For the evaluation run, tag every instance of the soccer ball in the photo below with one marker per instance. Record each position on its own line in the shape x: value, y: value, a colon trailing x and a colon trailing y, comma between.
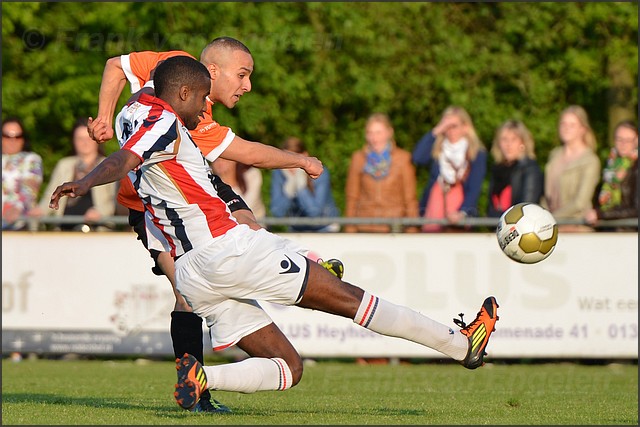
x: 527, y: 233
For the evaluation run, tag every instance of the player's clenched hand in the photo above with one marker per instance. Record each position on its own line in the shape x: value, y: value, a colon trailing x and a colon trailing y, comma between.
x: 99, y: 130
x: 70, y: 189
x: 314, y: 167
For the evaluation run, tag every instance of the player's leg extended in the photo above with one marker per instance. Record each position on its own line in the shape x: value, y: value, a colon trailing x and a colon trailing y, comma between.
x: 327, y: 293
x: 274, y: 365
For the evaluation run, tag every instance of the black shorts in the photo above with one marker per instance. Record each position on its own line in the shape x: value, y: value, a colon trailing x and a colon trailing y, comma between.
x: 136, y: 221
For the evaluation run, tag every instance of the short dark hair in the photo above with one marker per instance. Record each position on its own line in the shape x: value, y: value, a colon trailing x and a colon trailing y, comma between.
x: 177, y: 71
x: 629, y: 124
x: 224, y: 42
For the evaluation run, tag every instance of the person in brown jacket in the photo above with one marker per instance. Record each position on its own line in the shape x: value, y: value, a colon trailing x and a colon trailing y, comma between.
x: 382, y: 180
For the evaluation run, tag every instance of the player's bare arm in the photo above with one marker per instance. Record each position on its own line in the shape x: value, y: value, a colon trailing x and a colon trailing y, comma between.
x: 112, y: 169
x: 113, y: 82
x: 267, y: 157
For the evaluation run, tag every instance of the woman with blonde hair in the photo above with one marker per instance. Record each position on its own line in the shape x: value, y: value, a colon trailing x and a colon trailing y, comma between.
x: 515, y: 176
x: 381, y: 182
x: 458, y: 164
x: 573, y: 169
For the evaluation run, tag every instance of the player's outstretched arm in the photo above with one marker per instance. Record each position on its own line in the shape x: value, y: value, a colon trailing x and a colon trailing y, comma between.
x: 113, y: 82
x: 267, y: 157
x: 111, y: 169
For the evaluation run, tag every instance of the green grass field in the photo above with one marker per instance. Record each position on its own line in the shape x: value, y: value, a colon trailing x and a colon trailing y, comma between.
x: 99, y: 392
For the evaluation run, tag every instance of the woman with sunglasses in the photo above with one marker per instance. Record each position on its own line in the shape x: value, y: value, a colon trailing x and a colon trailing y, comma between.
x: 21, y: 175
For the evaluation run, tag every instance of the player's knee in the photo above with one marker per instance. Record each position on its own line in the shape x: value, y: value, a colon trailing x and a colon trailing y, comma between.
x: 296, y: 366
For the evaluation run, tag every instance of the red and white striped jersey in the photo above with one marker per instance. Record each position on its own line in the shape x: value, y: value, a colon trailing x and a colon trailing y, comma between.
x: 211, y: 137
x: 174, y: 179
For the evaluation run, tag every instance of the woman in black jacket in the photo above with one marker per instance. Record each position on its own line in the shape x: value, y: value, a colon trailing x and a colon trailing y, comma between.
x: 515, y: 176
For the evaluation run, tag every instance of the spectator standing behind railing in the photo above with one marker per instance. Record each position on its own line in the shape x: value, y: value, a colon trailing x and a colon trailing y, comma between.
x: 572, y: 171
x: 295, y: 194
x: 515, y: 176
x: 617, y: 193
x: 100, y: 202
x: 458, y: 164
x: 245, y: 180
x: 381, y: 182
x: 21, y: 175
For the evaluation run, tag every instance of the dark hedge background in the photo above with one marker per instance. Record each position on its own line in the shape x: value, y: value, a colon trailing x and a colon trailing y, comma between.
x: 322, y: 68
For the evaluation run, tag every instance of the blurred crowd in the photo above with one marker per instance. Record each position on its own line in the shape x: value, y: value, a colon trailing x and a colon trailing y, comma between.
x: 572, y: 182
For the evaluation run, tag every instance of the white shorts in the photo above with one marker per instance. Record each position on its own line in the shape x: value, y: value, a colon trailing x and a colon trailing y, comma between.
x: 223, y: 281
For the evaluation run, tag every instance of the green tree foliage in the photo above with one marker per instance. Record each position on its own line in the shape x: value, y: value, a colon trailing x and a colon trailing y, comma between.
x: 322, y: 68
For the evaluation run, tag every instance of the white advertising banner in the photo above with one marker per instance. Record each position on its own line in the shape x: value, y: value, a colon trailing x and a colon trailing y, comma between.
x: 95, y: 293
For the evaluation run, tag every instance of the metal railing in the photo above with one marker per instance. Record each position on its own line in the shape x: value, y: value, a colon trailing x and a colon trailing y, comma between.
x: 120, y: 222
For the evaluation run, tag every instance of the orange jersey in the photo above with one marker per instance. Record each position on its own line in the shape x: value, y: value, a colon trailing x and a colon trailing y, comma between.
x: 138, y: 66
x: 211, y: 137
x: 128, y: 197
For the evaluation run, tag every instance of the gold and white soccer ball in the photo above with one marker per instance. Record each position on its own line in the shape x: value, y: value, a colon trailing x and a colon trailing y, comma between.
x: 527, y: 233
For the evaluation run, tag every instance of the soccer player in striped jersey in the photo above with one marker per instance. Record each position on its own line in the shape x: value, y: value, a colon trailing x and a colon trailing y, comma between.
x: 224, y: 268
x: 230, y: 65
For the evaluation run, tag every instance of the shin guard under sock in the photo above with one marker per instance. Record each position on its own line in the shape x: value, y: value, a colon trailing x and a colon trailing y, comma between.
x: 394, y: 320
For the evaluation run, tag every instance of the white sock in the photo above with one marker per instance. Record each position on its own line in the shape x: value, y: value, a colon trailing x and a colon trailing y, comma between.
x: 393, y: 320
x: 250, y: 375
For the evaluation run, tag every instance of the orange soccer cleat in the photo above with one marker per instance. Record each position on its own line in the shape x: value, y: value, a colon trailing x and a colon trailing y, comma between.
x: 192, y: 381
x: 478, y: 333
